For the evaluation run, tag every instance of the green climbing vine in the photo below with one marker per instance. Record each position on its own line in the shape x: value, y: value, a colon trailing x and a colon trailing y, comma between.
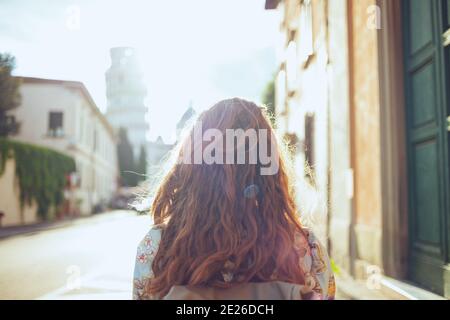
x: 41, y: 173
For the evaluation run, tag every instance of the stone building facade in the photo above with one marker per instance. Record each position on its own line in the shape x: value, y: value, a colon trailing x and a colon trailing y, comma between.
x: 363, y: 85
x: 62, y: 115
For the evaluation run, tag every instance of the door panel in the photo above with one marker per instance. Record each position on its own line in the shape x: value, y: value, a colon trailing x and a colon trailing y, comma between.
x: 425, y: 98
x: 447, y: 22
x: 426, y: 195
x: 423, y: 95
x: 420, y: 24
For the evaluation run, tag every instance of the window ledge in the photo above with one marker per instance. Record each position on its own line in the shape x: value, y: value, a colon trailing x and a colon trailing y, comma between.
x: 61, y: 136
x: 349, y: 288
x: 403, y: 290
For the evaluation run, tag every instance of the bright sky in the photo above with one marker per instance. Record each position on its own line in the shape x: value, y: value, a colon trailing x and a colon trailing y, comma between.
x: 199, y: 50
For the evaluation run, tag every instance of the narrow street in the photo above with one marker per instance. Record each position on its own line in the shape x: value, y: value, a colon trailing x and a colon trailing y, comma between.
x: 90, y: 258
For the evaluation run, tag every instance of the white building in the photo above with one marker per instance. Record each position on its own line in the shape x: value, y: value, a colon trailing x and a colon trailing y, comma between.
x: 126, y: 93
x: 158, y: 153
x: 62, y: 115
x: 185, y: 120
x: 158, y: 150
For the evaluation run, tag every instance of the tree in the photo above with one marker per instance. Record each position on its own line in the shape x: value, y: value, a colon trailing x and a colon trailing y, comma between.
x: 9, y: 95
x: 268, y: 98
x: 127, y: 166
x: 141, y: 167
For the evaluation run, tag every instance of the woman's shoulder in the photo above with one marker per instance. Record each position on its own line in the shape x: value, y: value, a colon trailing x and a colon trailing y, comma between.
x: 149, y: 243
x: 154, y: 233
x: 146, y: 251
x: 315, y: 264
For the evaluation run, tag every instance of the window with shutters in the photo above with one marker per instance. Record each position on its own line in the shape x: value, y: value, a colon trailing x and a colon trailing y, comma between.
x: 55, y: 124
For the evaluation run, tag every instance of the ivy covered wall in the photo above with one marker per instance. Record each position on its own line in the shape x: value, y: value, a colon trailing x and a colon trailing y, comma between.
x: 41, y: 173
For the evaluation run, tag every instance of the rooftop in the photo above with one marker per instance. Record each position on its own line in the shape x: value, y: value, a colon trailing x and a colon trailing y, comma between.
x: 74, y: 85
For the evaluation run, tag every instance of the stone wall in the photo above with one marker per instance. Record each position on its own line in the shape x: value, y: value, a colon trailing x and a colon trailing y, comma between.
x: 14, y: 214
x: 365, y: 135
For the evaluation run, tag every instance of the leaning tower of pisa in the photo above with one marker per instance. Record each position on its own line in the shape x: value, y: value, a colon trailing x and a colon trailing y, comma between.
x: 126, y: 93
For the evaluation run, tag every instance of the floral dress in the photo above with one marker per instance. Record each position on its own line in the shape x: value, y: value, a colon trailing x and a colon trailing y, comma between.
x: 314, y: 261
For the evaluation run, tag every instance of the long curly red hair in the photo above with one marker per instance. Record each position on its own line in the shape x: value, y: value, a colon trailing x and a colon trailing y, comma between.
x: 214, y: 233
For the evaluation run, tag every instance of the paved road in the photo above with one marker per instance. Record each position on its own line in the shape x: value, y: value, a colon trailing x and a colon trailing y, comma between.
x: 91, y: 258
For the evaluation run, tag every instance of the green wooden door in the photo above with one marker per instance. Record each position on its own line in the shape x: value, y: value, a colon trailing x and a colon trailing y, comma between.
x: 426, y: 87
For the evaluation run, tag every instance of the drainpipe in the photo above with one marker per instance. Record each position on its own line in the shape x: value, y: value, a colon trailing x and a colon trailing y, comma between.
x: 327, y: 66
x: 350, y: 177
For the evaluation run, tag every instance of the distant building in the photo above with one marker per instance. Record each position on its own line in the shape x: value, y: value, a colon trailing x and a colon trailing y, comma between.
x: 63, y: 116
x: 126, y: 93
x: 185, y: 119
x: 158, y: 150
